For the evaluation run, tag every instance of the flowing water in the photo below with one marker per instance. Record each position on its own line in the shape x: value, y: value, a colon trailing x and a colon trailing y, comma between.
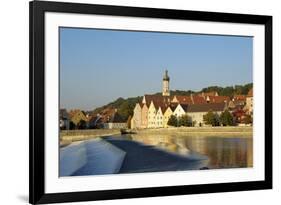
x: 139, y: 153
x: 222, y: 152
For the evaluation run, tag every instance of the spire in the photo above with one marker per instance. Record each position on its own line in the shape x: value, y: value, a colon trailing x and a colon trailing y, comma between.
x: 165, y: 84
x: 166, y: 77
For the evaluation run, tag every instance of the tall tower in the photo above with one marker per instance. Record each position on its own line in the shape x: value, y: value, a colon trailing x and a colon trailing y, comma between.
x: 165, y: 85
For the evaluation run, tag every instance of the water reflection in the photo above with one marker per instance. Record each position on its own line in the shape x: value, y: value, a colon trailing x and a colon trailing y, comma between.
x: 223, y: 152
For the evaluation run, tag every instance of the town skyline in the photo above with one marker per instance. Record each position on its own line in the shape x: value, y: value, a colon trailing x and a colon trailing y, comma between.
x: 157, y: 92
x: 96, y: 74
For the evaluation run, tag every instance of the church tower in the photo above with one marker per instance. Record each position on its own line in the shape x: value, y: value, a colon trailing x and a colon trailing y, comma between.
x: 165, y: 85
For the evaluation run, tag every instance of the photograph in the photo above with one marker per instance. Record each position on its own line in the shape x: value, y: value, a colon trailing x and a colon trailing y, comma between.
x: 148, y: 101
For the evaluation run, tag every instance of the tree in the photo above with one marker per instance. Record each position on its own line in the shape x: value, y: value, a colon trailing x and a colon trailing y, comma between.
x: 124, y: 110
x: 82, y: 124
x: 248, y: 119
x: 211, y: 118
x: 185, y: 121
x: 194, y: 122
x: 173, y: 121
x: 71, y: 125
x: 226, y: 118
x: 238, y: 115
x: 129, y: 122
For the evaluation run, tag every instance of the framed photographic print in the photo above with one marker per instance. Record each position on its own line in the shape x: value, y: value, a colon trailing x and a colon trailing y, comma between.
x: 141, y: 102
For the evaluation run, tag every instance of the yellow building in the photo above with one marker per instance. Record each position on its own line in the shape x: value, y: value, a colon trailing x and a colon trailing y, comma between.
x: 180, y: 110
x: 136, y: 121
x: 144, y: 116
x: 159, y: 118
x: 151, y: 117
x: 167, y: 115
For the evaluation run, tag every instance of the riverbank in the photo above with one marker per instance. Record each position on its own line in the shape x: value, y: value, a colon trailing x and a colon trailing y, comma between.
x: 69, y: 136
x: 202, y: 131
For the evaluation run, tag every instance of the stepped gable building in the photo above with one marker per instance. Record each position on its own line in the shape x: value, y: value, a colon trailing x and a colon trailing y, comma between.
x: 137, y: 122
x: 144, y: 113
x: 168, y: 112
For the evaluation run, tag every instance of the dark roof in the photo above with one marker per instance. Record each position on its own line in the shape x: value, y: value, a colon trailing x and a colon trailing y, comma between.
x: 206, y: 107
x: 158, y: 99
x: 184, y: 107
x: 163, y: 105
x: 173, y: 106
x: 143, y: 104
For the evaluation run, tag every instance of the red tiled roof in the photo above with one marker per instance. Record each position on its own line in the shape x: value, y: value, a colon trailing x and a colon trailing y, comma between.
x: 183, y: 99
x: 198, y: 100
x: 206, y: 107
x: 218, y: 99
x: 239, y: 97
x: 107, y: 114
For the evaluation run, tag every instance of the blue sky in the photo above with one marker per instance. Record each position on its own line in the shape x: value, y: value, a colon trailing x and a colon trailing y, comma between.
x: 98, y: 66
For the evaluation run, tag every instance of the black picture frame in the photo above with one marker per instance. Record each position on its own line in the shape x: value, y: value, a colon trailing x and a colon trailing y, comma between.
x: 37, y: 194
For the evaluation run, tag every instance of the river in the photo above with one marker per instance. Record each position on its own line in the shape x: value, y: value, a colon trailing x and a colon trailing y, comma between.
x: 138, y: 153
x: 222, y: 152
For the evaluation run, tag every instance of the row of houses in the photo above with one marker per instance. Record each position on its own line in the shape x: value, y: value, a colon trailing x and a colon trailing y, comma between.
x: 78, y: 119
x: 155, y: 110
